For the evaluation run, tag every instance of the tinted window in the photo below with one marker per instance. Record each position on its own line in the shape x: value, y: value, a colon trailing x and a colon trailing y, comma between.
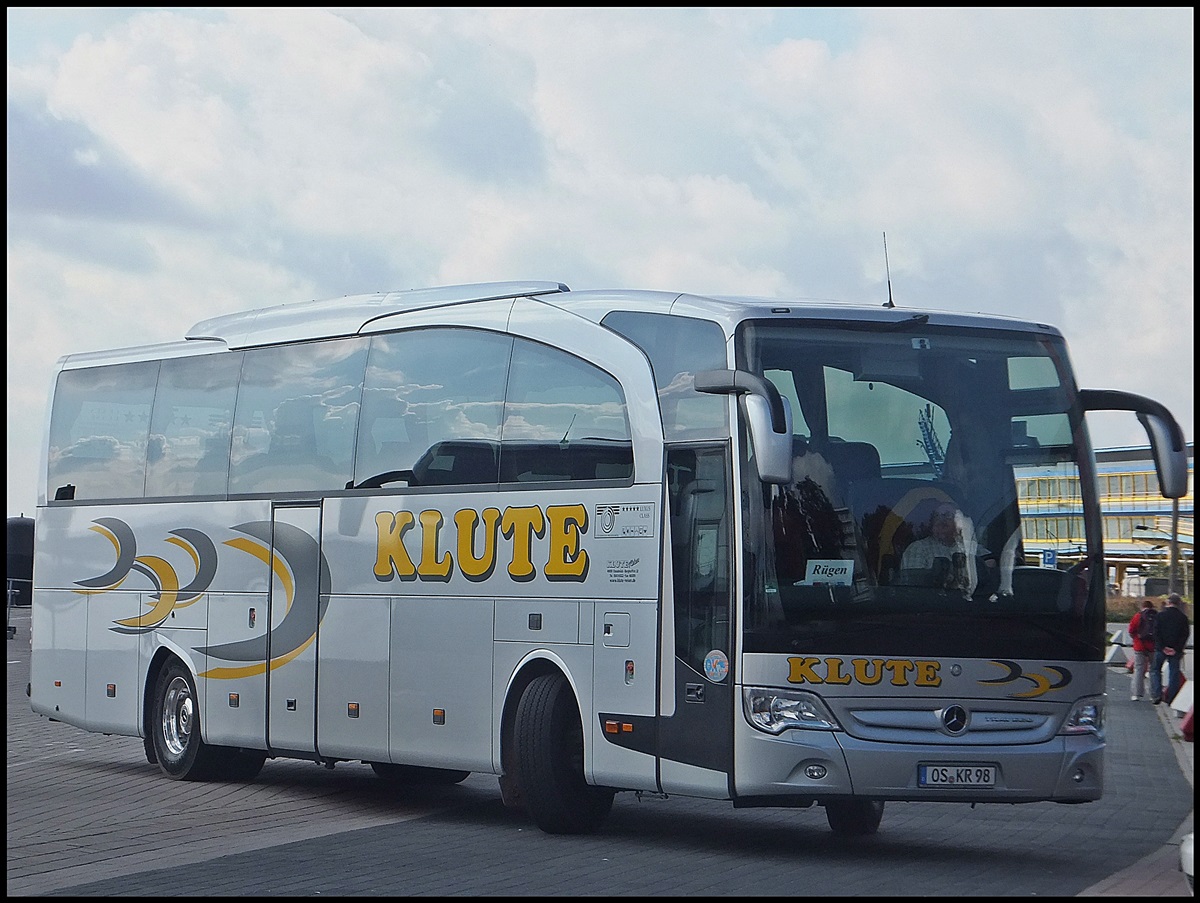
x: 99, y: 429
x: 297, y: 413
x: 432, y: 405
x: 564, y: 419
x: 192, y: 425
x: 678, y: 347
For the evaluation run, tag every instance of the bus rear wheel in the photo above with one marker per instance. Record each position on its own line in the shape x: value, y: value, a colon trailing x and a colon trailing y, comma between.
x: 175, y: 727
x: 549, y: 739
x: 854, y: 818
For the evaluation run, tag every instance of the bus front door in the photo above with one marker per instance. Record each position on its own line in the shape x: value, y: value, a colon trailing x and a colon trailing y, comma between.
x: 296, y: 600
x: 696, y: 730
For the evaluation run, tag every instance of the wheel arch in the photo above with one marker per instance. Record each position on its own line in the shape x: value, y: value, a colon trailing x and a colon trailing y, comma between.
x: 160, y: 657
x: 163, y: 654
x: 532, y: 666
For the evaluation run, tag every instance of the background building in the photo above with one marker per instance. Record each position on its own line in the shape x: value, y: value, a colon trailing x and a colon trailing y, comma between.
x: 1137, y: 520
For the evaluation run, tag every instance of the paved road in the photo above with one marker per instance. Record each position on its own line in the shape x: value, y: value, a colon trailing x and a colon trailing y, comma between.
x: 87, y: 816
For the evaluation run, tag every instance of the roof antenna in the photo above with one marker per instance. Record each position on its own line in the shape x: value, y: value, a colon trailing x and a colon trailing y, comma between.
x: 888, y: 269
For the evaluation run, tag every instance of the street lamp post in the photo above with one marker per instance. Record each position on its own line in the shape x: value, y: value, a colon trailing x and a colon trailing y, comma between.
x: 1173, y: 574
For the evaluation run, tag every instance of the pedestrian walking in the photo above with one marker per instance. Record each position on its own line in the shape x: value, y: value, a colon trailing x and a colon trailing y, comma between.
x: 1171, y: 632
x: 1141, y: 632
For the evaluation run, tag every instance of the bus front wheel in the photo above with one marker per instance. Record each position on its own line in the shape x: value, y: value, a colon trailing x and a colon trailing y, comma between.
x: 175, y: 727
x: 549, y: 739
x: 854, y: 818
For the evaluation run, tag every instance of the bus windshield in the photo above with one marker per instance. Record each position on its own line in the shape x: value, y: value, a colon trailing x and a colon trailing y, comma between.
x: 910, y: 526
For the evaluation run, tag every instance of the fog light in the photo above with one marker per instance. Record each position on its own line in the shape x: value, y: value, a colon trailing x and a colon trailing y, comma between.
x: 1078, y: 776
x: 815, y: 772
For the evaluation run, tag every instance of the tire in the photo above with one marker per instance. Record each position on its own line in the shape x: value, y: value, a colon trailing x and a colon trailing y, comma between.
x: 175, y: 727
x: 854, y: 818
x: 418, y: 775
x: 549, y: 741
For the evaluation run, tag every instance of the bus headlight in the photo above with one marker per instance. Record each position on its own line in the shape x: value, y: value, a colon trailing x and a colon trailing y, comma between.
x: 775, y: 711
x: 1085, y: 717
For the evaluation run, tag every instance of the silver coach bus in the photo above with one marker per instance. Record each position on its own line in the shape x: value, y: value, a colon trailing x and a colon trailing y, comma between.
x: 759, y: 550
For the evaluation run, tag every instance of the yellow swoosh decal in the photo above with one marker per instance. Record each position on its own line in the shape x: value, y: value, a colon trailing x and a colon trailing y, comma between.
x: 166, y: 598
x: 258, y: 667
x: 187, y: 547
x: 1041, y: 685
x: 278, y: 566
x: 111, y: 537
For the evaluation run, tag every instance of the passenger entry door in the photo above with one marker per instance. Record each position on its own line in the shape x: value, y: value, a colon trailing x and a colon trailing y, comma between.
x: 299, y: 593
x: 697, y: 737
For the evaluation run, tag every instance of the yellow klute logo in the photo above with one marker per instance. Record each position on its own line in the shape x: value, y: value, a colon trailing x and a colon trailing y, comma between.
x: 899, y: 672
x: 477, y: 541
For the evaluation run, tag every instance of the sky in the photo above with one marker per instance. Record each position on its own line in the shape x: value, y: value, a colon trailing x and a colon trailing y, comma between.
x: 166, y: 165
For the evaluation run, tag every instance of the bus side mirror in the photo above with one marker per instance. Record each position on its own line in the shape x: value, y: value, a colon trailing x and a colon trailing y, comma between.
x: 772, y: 450
x: 768, y: 415
x: 1166, y: 438
x: 1170, y: 464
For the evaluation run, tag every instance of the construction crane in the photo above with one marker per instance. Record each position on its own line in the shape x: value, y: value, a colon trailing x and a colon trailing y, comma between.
x: 930, y: 441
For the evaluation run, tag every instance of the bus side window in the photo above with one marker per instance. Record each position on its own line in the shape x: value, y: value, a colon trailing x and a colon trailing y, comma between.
x: 192, y: 422
x: 296, y: 418
x: 432, y: 399
x: 212, y: 469
x: 679, y: 347
x: 563, y: 419
x: 294, y: 433
x: 99, y: 431
x: 456, y: 464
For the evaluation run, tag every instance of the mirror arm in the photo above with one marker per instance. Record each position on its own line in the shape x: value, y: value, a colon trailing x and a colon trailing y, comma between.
x: 1117, y: 400
x: 737, y: 382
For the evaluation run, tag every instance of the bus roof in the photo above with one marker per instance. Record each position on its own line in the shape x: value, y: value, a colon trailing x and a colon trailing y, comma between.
x: 353, y: 315
x: 348, y: 315
x: 730, y: 310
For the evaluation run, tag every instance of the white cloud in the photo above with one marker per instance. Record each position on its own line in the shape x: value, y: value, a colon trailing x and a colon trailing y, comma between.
x: 166, y: 166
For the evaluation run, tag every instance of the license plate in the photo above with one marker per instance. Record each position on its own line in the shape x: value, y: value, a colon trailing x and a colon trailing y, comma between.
x: 956, y: 775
